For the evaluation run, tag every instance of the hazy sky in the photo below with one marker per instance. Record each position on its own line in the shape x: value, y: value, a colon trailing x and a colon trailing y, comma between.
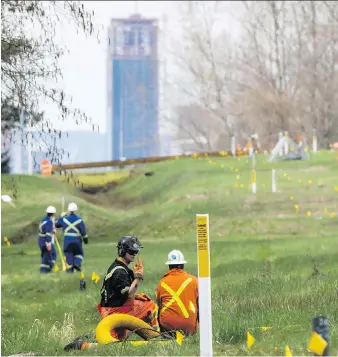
x: 85, y: 68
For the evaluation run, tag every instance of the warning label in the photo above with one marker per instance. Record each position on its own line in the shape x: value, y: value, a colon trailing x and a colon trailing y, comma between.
x: 202, y: 227
x: 202, y: 234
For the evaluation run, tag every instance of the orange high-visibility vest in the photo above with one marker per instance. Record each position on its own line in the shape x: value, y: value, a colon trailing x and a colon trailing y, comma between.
x: 177, y: 296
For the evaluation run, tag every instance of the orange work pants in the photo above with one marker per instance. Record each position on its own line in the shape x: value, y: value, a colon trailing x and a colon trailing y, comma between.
x: 142, y: 307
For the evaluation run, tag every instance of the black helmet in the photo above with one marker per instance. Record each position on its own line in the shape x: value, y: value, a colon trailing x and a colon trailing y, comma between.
x: 128, y: 244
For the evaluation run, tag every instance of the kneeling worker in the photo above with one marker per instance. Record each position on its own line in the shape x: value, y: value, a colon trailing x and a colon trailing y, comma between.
x: 177, y: 297
x: 118, y: 292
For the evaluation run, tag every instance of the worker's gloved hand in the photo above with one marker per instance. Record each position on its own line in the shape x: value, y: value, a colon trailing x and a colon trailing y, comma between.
x: 49, y: 246
x: 142, y: 297
x: 138, y: 269
x: 85, y: 239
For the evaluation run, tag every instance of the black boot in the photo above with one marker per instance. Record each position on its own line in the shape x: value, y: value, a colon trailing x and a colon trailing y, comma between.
x: 77, y: 267
x: 75, y: 345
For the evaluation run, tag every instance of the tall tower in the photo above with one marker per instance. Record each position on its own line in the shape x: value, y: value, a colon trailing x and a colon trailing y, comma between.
x: 133, y: 128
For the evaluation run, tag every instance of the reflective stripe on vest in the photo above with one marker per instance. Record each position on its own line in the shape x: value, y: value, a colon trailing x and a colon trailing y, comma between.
x: 109, y: 275
x: 72, y: 226
x: 176, y: 296
x: 42, y: 235
x: 40, y: 228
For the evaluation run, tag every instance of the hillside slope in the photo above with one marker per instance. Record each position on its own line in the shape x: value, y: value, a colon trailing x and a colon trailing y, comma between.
x: 274, y: 255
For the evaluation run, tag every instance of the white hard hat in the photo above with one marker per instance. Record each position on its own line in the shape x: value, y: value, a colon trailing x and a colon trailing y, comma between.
x: 51, y: 209
x: 72, y: 207
x: 175, y: 257
x: 6, y: 198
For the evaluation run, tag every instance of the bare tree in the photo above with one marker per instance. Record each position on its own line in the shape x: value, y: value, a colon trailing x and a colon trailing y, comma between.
x: 30, y: 61
x: 319, y: 69
x: 205, y: 59
x: 279, y: 74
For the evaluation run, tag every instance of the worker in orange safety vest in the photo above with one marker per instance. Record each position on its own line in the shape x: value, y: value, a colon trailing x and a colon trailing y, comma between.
x: 177, y: 297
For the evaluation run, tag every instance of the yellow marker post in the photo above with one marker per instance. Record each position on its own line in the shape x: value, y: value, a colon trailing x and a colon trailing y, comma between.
x: 253, y: 175
x: 253, y: 181
x: 204, y: 284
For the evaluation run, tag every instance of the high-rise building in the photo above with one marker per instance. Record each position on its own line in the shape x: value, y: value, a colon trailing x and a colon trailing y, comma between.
x: 133, y: 125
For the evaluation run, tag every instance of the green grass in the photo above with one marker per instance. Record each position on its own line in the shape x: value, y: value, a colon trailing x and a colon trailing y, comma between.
x: 263, y: 253
x: 89, y: 180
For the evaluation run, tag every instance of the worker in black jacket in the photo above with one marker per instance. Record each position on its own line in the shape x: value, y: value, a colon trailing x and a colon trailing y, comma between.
x: 118, y: 292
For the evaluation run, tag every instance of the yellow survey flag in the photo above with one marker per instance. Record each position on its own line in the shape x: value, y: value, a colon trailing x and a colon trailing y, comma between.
x: 288, y: 351
x: 265, y: 328
x: 95, y: 277
x: 179, y: 337
x: 82, y: 275
x: 6, y: 239
x: 250, y: 340
x: 317, y: 344
x: 56, y: 267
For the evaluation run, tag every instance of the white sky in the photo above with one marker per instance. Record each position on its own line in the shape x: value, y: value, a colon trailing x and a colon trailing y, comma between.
x: 85, y: 68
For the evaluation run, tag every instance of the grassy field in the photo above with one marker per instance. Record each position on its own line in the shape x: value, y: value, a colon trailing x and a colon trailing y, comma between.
x: 273, y: 255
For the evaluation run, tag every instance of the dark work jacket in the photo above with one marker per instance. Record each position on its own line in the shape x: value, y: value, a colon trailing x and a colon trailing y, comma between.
x: 116, y: 284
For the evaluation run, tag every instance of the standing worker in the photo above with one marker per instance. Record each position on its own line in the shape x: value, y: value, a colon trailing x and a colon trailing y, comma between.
x: 74, y: 231
x: 46, y: 241
x: 177, y: 297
